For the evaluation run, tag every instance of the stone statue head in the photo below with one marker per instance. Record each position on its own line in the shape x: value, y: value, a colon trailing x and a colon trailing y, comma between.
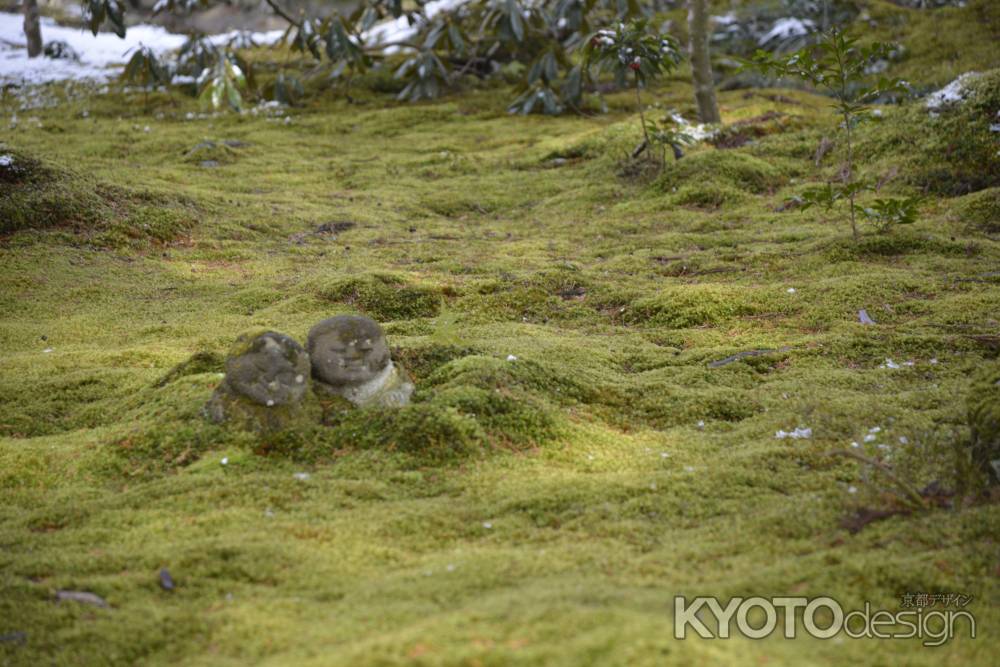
x: 268, y: 368
x: 347, y: 351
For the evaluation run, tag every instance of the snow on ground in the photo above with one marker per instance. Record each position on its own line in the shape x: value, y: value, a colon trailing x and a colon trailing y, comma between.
x: 398, y: 30
x: 97, y: 54
x: 101, y: 56
x: 953, y: 92
x: 786, y: 28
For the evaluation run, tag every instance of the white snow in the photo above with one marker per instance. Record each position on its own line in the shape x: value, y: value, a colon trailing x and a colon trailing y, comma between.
x: 97, y: 54
x: 795, y: 435
x: 6, y: 160
x: 101, y: 56
x: 699, y: 132
x: 400, y: 30
x: 953, y: 92
x: 786, y: 28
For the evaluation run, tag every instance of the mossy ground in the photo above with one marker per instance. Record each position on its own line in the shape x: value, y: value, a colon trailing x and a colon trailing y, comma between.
x: 540, y: 510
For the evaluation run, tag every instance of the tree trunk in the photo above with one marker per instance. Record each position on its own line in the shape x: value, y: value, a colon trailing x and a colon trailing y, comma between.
x: 32, y: 28
x: 701, y: 65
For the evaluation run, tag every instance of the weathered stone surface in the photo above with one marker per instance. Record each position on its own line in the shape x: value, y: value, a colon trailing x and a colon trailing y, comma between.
x: 350, y: 360
x: 984, y: 420
x: 266, y: 379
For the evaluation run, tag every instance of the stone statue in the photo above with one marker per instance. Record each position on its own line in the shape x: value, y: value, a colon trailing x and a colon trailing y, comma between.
x: 266, y: 379
x: 350, y: 359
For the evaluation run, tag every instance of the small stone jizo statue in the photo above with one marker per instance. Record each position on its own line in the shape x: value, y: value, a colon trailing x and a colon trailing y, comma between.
x: 350, y: 359
x: 266, y: 379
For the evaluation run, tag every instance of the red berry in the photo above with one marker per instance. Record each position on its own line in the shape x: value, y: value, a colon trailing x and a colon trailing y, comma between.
x: 634, y: 66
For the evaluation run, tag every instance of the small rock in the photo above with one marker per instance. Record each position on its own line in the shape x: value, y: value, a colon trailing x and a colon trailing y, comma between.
x: 208, y: 164
x: 82, y: 597
x: 16, y: 637
x: 166, y: 581
x: 301, y: 476
x: 864, y: 318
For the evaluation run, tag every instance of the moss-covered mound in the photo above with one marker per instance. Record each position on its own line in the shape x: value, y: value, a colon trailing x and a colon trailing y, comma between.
x: 38, y: 195
x: 726, y: 170
x: 951, y: 150
x: 683, y: 306
x: 981, y: 210
x: 984, y: 420
x: 384, y: 297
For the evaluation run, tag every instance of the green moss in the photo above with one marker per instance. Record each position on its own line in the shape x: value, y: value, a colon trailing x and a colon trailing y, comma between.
x: 422, y: 361
x: 428, y: 433
x: 35, y: 195
x: 984, y: 421
x: 196, y: 364
x: 533, y: 511
x: 708, y: 195
x: 981, y: 210
x: 951, y: 152
x: 384, y: 297
x: 217, y: 152
x: 683, y: 306
x: 727, y: 169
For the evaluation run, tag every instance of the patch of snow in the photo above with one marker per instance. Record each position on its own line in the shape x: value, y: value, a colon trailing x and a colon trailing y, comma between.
x: 101, y: 56
x: 889, y: 363
x: 225, y: 460
x: 725, y: 19
x: 798, y: 433
x: 699, y: 132
x: 400, y: 30
x: 953, y: 93
x: 301, y: 476
x: 791, y: 290
x: 786, y: 28
x: 511, y: 357
x: 6, y: 160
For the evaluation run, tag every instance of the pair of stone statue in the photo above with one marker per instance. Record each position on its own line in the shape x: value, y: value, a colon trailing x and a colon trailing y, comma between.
x: 346, y: 361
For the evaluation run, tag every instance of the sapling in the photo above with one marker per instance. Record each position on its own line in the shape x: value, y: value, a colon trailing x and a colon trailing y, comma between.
x: 840, y: 66
x: 630, y: 50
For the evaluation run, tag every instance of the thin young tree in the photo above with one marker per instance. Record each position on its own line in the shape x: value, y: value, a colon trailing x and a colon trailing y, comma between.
x: 701, y: 64
x: 32, y: 28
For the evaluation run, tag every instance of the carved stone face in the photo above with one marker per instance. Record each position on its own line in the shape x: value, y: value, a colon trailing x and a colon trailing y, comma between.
x: 347, y: 350
x: 271, y: 369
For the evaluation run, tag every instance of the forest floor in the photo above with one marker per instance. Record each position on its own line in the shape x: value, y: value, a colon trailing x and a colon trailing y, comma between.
x: 574, y: 458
